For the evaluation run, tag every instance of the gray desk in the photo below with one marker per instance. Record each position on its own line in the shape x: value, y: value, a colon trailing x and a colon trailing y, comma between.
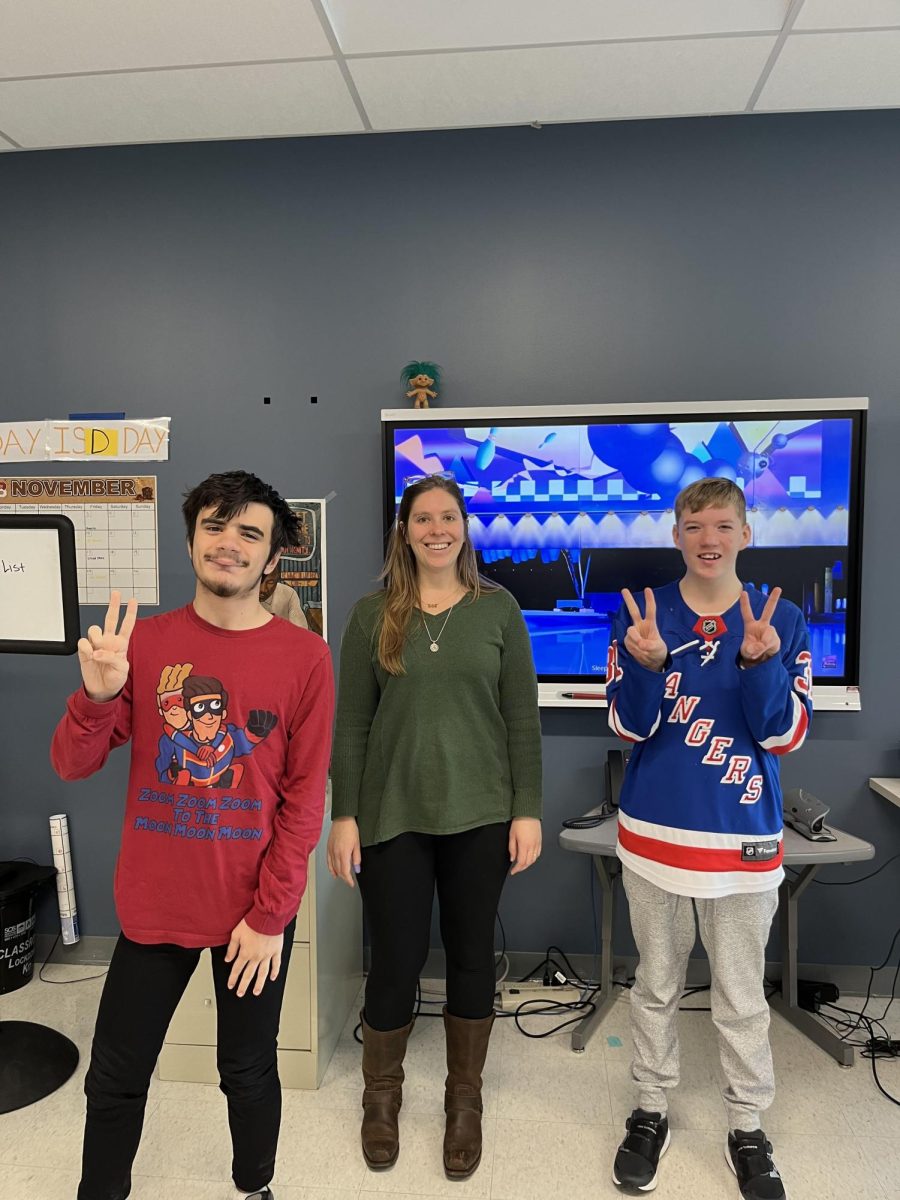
x: 600, y: 843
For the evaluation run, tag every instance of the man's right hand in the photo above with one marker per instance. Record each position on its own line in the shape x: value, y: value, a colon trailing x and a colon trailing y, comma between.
x: 103, y: 654
x: 642, y: 639
x: 343, y: 854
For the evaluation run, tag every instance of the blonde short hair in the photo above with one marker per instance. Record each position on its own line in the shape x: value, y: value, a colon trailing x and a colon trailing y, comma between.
x: 711, y: 493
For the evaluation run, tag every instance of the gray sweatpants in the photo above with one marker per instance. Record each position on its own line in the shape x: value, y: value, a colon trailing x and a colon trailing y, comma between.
x: 734, y: 930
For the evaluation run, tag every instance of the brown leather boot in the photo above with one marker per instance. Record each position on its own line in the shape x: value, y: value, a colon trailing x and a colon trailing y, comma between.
x: 467, y: 1044
x: 382, y: 1067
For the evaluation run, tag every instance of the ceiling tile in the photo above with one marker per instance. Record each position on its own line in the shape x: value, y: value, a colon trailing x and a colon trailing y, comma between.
x: 284, y: 100
x: 367, y: 27
x: 835, y: 70
x: 46, y: 37
x: 563, y: 83
x: 838, y: 14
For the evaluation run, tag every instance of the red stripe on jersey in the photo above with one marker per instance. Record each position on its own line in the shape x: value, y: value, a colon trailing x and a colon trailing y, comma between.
x: 619, y: 727
x: 693, y: 858
x: 799, y: 733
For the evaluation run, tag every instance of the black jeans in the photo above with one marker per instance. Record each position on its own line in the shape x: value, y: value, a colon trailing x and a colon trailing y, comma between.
x: 397, y: 881
x: 141, y: 992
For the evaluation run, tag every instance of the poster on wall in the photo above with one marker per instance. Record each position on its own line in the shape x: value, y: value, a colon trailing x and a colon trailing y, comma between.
x: 115, y: 528
x: 303, y: 565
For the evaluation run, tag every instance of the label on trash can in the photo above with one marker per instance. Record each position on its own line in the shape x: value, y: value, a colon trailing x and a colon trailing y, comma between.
x: 17, y: 923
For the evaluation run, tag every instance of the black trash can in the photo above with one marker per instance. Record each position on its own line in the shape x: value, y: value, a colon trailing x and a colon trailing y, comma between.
x: 34, y: 1060
x: 19, y: 883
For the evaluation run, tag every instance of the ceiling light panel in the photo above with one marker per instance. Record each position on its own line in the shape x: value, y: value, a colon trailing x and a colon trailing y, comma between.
x: 273, y: 100
x: 564, y: 83
x: 839, y: 14
x: 49, y: 37
x: 369, y: 27
x: 835, y: 70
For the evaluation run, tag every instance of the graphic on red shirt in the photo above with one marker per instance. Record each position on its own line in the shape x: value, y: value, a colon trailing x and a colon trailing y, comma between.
x: 197, y: 746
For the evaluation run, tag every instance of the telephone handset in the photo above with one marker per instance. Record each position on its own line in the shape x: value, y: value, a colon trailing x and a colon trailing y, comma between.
x: 613, y: 778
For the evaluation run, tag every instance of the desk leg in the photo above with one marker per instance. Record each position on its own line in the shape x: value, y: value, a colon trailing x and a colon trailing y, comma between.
x: 605, y: 996
x: 785, y: 1003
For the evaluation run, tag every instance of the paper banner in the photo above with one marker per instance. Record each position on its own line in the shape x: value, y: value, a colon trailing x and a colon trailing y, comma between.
x: 57, y: 441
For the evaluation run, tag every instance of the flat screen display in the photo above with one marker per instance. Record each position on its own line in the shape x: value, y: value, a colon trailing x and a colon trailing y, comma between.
x: 566, y: 510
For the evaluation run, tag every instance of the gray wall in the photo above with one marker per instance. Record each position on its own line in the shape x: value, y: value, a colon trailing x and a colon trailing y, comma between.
x: 650, y: 261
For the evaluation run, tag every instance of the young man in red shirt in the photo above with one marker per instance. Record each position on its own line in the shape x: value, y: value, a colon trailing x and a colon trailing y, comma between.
x: 223, y: 807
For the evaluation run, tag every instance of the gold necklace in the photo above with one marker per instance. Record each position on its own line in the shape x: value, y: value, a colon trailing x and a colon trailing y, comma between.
x: 434, y: 647
x: 443, y: 599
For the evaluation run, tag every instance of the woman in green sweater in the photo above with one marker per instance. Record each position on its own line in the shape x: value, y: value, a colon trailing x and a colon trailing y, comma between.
x: 436, y: 784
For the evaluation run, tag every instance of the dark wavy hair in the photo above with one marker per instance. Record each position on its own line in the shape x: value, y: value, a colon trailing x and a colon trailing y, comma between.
x: 203, y: 685
x: 231, y: 492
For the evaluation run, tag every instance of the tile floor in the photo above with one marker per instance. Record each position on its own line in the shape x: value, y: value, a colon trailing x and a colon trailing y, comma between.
x: 552, y: 1120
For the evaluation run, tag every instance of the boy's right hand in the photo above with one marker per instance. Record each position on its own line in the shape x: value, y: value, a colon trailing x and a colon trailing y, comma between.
x: 103, y: 654
x: 343, y: 854
x: 642, y: 640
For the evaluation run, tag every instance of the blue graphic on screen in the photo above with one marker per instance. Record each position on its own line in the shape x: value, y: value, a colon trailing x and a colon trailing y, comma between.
x: 565, y: 515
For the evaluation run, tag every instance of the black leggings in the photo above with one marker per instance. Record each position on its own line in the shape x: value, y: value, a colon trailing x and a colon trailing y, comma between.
x: 141, y: 992
x: 397, y: 881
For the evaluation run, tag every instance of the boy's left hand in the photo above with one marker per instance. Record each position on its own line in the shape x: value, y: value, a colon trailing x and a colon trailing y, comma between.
x: 255, y: 955
x: 761, y: 640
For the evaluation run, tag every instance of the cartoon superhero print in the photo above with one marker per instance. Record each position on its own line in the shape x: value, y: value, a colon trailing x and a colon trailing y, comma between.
x: 169, y: 699
x: 197, y: 747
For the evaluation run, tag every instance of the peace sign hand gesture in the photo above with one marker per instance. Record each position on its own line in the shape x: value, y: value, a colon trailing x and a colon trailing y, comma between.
x: 103, y: 654
x: 761, y: 640
x: 643, y: 641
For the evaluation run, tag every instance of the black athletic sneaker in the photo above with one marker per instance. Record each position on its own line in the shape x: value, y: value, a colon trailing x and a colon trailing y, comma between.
x: 646, y: 1141
x: 750, y: 1157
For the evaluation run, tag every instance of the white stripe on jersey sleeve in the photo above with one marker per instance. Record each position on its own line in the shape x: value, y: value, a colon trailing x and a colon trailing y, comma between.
x: 620, y: 731
x: 777, y: 740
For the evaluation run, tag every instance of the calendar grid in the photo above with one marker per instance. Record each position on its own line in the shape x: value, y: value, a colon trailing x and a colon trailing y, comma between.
x: 115, y: 528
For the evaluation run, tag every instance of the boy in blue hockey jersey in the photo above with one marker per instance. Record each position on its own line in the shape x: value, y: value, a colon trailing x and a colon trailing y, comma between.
x: 710, y: 681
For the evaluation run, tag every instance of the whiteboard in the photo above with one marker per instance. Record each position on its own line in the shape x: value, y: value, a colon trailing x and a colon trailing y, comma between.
x: 38, y: 585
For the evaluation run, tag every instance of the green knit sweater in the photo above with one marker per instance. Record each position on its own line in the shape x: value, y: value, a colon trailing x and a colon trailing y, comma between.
x: 455, y: 742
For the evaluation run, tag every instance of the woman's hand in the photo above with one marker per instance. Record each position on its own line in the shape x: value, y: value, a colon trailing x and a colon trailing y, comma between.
x: 343, y: 854
x: 524, y: 843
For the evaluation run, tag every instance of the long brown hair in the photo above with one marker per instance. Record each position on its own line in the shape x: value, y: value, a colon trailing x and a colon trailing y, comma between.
x: 401, y: 594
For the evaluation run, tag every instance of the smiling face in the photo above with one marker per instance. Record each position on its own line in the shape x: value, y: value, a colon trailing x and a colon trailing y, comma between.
x: 710, y: 541
x: 229, y: 557
x: 206, y: 715
x: 435, y: 531
x: 171, y: 707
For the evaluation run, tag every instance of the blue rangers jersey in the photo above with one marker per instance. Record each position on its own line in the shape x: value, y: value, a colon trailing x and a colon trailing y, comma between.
x: 700, y: 810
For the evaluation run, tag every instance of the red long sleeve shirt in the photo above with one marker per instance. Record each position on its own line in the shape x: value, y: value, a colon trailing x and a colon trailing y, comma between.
x: 231, y: 736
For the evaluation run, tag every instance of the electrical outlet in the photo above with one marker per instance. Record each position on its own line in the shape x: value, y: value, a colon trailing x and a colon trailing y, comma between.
x: 514, y: 994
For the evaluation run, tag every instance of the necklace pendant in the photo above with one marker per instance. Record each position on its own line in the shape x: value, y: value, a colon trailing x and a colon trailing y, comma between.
x: 434, y: 647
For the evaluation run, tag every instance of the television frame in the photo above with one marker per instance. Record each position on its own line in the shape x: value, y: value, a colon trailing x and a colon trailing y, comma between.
x: 587, y: 693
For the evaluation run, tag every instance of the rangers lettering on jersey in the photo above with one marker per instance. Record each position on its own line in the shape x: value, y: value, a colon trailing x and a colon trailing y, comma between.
x: 700, y: 811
